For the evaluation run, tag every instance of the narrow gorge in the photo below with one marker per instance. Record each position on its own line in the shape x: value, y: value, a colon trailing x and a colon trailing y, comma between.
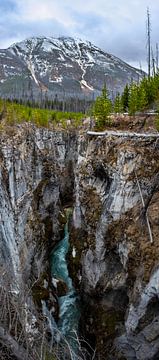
x: 79, y: 237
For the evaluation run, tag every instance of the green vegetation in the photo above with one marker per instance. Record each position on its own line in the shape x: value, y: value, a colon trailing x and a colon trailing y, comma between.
x: 133, y: 99
x: 136, y: 97
x: 12, y: 113
x: 118, y: 108
x: 125, y: 98
x: 143, y: 95
x: 102, y: 109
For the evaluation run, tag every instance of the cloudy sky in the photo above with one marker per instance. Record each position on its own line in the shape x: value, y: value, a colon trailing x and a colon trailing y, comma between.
x: 117, y: 26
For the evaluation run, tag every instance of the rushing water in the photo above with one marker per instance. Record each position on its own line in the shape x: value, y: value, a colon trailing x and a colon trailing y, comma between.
x: 69, y: 312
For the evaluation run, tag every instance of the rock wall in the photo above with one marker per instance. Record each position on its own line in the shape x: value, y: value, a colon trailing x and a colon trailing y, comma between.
x: 112, y: 185
x: 116, y: 263
x: 36, y: 183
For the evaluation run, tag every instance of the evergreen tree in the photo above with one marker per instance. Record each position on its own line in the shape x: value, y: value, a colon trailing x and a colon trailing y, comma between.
x: 142, y: 101
x: 102, y: 109
x: 125, y: 98
x: 118, y: 104
x: 149, y: 84
x: 133, y: 99
x: 156, y: 85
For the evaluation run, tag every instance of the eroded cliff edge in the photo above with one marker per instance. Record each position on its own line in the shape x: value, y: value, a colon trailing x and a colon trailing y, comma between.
x: 112, y: 260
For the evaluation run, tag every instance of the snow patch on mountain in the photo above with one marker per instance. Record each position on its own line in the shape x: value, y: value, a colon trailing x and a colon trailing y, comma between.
x: 75, y: 64
x: 31, y: 68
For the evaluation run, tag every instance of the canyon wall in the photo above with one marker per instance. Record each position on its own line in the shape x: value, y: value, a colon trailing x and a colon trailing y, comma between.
x: 111, y: 183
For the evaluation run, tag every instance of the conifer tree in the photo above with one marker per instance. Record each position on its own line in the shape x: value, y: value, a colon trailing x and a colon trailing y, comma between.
x: 102, y: 109
x: 125, y: 98
x: 117, y: 104
x: 133, y: 99
x: 150, y: 90
x: 142, y: 101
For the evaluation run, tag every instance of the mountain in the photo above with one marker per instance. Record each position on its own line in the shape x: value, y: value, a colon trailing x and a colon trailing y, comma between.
x: 61, y: 66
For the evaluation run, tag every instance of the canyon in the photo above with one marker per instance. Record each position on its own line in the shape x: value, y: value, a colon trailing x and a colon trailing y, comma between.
x: 109, y: 184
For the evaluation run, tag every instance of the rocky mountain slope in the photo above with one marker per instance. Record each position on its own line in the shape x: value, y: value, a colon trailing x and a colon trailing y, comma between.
x: 111, y: 184
x: 62, y: 65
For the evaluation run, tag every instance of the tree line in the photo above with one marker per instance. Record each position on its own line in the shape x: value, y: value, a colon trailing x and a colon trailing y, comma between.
x: 70, y: 104
x: 12, y: 113
x: 136, y: 97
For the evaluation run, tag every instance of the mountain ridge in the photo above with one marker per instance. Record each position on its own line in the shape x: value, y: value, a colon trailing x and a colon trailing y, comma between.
x: 62, y: 65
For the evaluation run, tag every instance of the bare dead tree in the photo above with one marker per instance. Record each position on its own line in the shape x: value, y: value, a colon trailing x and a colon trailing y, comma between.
x: 148, y: 30
x: 156, y: 57
x: 153, y: 62
x: 146, y: 215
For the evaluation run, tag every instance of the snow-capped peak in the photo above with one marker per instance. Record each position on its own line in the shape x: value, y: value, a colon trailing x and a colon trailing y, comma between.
x: 67, y: 64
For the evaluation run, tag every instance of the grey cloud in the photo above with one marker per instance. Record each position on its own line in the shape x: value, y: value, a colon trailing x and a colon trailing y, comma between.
x: 117, y: 27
